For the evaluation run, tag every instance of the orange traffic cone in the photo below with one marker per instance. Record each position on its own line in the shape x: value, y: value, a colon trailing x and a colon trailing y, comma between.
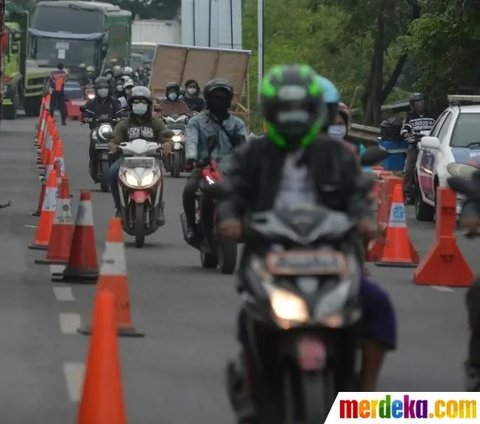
x: 398, y: 250
x: 58, y: 155
x: 113, y: 277
x: 444, y: 265
x: 48, y: 142
x: 44, y: 229
x: 62, y: 230
x: 102, y: 399
x: 82, y: 262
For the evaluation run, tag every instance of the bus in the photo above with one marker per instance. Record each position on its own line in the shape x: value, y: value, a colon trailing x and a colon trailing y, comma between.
x: 80, y: 32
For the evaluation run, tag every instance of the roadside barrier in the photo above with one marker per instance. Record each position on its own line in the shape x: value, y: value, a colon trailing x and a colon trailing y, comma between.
x: 102, y: 400
x: 82, y: 267
x: 444, y: 264
x: 113, y: 277
x: 62, y: 229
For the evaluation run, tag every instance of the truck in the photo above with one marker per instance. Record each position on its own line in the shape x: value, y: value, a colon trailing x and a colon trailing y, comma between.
x: 146, y: 33
x: 212, y: 23
x: 179, y: 63
x: 24, y: 82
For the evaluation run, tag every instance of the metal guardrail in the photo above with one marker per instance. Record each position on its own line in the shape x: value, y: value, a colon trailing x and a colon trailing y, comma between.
x: 365, y: 133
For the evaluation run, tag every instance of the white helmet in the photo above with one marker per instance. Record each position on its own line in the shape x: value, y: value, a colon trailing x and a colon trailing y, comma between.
x: 128, y: 83
x: 127, y: 70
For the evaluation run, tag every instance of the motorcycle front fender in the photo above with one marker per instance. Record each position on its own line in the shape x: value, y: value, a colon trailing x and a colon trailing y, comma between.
x: 311, y: 353
x: 139, y: 196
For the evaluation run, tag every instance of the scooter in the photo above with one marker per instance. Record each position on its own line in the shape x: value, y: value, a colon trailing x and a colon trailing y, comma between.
x: 302, y: 310
x: 214, y: 251
x: 176, y: 162
x: 99, y: 138
x: 140, y: 186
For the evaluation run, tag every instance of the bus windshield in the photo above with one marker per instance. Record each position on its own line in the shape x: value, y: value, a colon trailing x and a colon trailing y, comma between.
x: 70, y: 52
x: 69, y: 19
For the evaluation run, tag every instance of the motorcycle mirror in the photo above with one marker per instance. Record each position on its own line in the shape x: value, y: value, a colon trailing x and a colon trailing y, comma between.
x: 461, y: 170
x: 373, y: 155
x: 462, y: 185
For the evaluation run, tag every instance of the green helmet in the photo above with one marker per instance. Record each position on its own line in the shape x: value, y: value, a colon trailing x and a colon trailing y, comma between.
x: 293, y: 105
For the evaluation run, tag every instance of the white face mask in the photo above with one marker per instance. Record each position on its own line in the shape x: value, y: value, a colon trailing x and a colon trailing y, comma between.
x: 337, y: 130
x: 172, y: 96
x: 192, y: 91
x: 119, y: 87
x: 102, y: 92
x: 139, y: 108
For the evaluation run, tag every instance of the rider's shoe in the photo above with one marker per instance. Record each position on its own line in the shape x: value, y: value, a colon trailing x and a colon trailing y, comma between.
x: 240, y: 398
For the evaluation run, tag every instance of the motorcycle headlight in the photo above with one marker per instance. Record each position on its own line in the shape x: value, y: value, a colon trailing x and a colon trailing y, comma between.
x: 288, y: 306
x: 105, y: 131
x: 149, y: 178
x: 91, y: 96
x: 131, y: 179
x: 176, y: 138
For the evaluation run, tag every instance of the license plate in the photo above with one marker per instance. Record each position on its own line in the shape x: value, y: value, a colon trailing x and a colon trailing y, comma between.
x: 139, y: 162
x: 312, y: 353
x: 101, y: 146
x: 306, y: 263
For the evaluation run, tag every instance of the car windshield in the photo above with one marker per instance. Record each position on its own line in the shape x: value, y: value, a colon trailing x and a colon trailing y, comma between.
x: 467, y: 131
x: 69, y: 19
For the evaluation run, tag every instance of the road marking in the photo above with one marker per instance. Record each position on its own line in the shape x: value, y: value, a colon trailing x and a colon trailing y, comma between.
x: 63, y: 294
x: 70, y: 323
x: 30, y: 226
x: 443, y: 289
x: 74, y: 378
x: 56, y: 269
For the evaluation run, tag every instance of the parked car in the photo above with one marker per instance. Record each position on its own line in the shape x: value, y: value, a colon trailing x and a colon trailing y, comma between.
x: 455, y: 138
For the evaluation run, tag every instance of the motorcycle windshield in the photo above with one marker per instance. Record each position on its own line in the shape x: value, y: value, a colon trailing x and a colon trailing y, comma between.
x: 304, y: 224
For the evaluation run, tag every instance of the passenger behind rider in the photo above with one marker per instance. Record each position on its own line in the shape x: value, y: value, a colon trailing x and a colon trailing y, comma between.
x: 140, y: 124
x: 172, y: 104
x: 127, y: 91
x: 292, y: 164
x: 212, y: 134
x: 192, y: 96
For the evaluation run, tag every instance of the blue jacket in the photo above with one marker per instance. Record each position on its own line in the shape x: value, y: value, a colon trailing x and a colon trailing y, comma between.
x: 203, y: 127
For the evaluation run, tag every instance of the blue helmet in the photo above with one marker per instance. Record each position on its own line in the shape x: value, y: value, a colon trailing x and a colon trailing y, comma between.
x: 331, y: 97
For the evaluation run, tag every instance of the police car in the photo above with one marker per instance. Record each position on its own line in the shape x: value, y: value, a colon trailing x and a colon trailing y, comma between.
x: 455, y: 138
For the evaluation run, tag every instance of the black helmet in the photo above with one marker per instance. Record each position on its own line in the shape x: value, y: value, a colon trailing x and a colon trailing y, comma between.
x: 218, y: 83
x: 172, y: 86
x: 293, y: 105
x: 101, y: 82
x: 140, y: 92
x: 417, y: 97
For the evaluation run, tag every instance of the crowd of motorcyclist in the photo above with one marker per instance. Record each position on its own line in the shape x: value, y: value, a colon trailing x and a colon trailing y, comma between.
x: 305, y: 156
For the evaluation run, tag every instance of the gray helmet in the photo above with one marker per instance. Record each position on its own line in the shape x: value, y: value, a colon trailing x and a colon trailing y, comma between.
x: 140, y: 92
x: 417, y: 97
x: 218, y: 83
x: 117, y: 71
x: 101, y: 82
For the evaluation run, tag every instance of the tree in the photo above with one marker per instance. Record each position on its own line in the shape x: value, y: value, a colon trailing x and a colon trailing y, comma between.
x: 384, y: 21
x: 445, y: 44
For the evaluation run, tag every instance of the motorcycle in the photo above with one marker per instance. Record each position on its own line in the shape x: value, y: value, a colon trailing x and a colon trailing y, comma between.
x: 214, y: 251
x: 99, y: 137
x: 302, y: 309
x: 89, y: 92
x: 140, y: 187
x: 175, y: 163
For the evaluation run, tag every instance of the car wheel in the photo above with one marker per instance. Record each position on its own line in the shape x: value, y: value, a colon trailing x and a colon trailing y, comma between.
x: 423, y: 211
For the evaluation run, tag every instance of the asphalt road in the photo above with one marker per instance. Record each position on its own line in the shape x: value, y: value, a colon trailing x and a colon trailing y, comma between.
x: 175, y: 374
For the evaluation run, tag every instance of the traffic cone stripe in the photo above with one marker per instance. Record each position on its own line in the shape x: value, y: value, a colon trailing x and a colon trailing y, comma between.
x: 85, y: 214
x: 64, y: 213
x: 397, y: 216
x: 50, y: 200
x: 113, y: 263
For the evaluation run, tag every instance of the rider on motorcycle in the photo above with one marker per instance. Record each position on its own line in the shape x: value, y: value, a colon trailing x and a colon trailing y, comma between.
x: 419, y: 119
x: 127, y: 91
x: 102, y: 105
x: 140, y: 124
x: 89, y: 77
x: 192, y: 96
x: 212, y: 133
x: 293, y: 164
x: 172, y: 105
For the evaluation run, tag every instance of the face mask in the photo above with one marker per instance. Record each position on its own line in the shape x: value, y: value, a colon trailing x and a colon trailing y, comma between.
x: 139, y: 108
x: 172, y: 96
x: 337, y: 131
x: 109, y: 76
x: 192, y: 91
x: 102, y: 92
x: 218, y: 106
x: 119, y: 87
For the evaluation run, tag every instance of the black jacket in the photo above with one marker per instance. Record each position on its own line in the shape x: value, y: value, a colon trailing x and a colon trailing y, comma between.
x: 95, y: 108
x: 196, y: 104
x: 253, y: 181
